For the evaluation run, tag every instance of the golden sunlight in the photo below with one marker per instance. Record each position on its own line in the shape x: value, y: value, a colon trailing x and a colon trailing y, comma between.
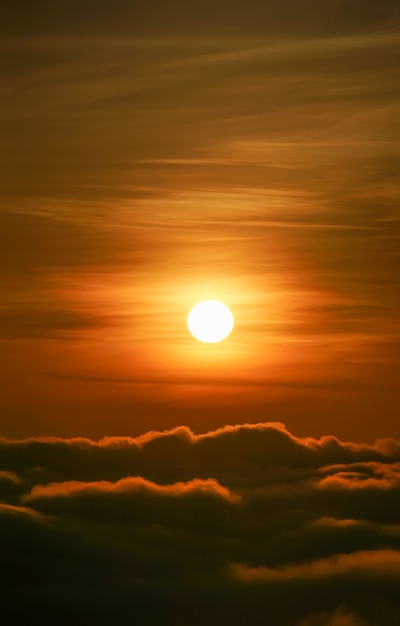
x: 210, y: 321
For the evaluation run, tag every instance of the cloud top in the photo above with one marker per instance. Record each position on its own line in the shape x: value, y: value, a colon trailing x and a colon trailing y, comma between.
x: 224, y: 522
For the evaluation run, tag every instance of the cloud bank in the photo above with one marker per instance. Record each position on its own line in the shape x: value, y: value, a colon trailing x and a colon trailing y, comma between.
x: 245, y: 523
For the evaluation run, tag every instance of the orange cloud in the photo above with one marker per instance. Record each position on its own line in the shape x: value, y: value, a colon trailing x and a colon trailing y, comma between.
x: 375, y: 563
x: 132, y: 485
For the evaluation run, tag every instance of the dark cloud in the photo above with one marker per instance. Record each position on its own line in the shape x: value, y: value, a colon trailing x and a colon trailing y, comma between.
x: 199, y: 528
x: 234, y: 455
x: 10, y: 485
x: 336, y: 618
x: 374, y: 563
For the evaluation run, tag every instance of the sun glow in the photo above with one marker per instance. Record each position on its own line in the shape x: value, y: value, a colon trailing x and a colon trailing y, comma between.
x: 210, y: 321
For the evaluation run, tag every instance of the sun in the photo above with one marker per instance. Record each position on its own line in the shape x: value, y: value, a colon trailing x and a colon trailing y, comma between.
x: 210, y: 321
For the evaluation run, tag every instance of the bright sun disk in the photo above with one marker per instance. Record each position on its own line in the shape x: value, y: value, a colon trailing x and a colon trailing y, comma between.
x: 210, y: 321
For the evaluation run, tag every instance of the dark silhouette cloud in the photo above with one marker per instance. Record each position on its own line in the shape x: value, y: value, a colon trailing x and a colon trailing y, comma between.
x: 235, y: 455
x: 336, y: 618
x: 375, y: 563
x: 196, y: 527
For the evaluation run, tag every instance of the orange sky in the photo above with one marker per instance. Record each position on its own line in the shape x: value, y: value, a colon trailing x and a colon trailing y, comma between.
x: 146, y: 171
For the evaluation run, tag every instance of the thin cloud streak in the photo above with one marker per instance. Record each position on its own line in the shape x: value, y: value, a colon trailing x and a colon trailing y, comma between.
x: 213, y: 382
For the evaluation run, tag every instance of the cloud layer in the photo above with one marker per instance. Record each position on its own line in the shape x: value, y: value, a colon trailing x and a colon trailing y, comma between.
x: 243, y: 523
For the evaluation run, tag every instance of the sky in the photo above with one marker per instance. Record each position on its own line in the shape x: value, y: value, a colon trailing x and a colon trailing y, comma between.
x: 157, y: 154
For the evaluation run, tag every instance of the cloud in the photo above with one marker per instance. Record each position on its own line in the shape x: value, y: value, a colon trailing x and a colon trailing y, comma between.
x: 135, y: 500
x: 131, y: 486
x: 337, y: 618
x: 374, y: 563
x: 225, y: 524
x: 10, y: 485
x: 246, y: 454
